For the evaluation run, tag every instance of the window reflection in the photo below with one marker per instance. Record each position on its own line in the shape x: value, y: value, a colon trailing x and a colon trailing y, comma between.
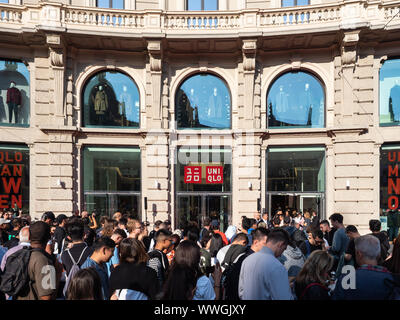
x: 14, y: 93
x: 203, y: 101
x: 202, y: 5
x: 111, y: 99
x: 294, y: 3
x: 296, y: 169
x: 389, y: 92
x: 112, y: 4
x: 296, y: 99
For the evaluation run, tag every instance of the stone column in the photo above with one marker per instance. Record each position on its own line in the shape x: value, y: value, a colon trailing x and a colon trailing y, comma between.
x: 249, y: 49
x: 155, y: 176
x: 247, y: 170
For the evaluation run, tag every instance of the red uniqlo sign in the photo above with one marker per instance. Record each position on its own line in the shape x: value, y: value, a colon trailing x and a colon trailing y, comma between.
x: 215, y: 174
x: 192, y: 174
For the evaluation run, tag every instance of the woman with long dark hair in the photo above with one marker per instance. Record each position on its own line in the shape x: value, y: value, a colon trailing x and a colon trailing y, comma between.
x: 187, y: 254
x: 85, y: 285
x: 313, y: 279
x: 132, y: 279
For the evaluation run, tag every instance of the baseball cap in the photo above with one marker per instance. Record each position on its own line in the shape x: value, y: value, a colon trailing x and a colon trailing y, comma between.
x: 4, y: 221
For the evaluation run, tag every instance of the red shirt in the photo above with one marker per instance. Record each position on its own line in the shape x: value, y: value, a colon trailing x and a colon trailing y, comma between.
x: 14, y: 95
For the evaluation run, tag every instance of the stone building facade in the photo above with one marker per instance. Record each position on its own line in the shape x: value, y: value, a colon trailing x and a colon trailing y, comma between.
x: 248, y: 44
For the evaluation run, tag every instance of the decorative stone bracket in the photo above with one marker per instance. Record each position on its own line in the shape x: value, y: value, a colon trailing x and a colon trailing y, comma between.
x: 349, y: 48
x: 57, y: 63
x: 249, y: 51
x: 155, y: 56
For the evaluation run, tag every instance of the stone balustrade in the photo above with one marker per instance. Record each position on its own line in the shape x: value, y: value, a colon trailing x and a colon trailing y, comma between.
x: 70, y: 18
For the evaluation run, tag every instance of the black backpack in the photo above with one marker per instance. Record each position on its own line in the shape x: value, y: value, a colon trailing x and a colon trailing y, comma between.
x: 15, y: 278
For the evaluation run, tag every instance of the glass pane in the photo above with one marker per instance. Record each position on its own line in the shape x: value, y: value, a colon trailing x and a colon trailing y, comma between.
x: 219, y: 208
x: 14, y: 186
x: 14, y: 93
x: 211, y: 5
x: 3, y: 1
x: 111, y: 99
x: 296, y: 99
x: 98, y: 204
x: 189, y: 209
x: 204, y: 160
x: 389, y: 93
x: 296, y: 171
x: 288, y: 3
x: 203, y: 101
x: 111, y: 169
x: 118, y: 4
x: 127, y: 204
x: 303, y: 2
x: 194, y: 5
x: 103, y: 3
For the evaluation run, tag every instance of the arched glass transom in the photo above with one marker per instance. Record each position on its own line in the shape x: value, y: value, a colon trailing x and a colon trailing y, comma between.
x: 111, y: 99
x: 203, y: 101
x: 296, y: 99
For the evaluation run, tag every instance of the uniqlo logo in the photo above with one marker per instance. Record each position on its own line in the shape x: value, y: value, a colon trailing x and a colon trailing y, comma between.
x: 215, y: 174
x: 192, y: 174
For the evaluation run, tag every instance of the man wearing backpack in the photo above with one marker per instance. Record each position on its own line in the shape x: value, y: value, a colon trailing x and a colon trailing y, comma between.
x: 43, y: 276
x: 78, y: 253
x: 158, y: 259
x: 230, y: 277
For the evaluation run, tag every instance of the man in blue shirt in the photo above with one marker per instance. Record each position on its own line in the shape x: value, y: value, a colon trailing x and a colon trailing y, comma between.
x: 103, y: 251
x: 340, y: 238
x: 262, y: 276
x: 371, y: 282
x: 118, y: 236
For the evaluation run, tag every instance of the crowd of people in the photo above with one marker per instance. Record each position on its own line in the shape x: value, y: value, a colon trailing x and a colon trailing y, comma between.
x: 291, y: 256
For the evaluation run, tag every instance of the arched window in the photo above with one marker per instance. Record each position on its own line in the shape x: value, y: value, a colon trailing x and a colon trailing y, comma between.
x: 203, y: 101
x: 111, y: 99
x: 389, y: 93
x: 296, y: 99
x: 14, y: 93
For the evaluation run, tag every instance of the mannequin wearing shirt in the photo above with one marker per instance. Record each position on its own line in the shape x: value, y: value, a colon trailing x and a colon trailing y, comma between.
x: 13, y: 102
x: 394, y: 102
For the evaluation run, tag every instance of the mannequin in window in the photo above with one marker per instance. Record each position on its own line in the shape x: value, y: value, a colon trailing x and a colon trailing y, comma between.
x: 281, y: 105
x: 215, y: 105
x: 13, y: 101
x: 305, y: 106
x: 394, y: 102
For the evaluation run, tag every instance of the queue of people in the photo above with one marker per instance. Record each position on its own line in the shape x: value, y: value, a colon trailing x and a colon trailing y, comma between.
x: 292, y: 256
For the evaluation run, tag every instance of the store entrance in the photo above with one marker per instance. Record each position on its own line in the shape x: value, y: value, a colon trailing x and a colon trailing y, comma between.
x: 196, y: 207
x: 300, y: 202
x: 106, y: 204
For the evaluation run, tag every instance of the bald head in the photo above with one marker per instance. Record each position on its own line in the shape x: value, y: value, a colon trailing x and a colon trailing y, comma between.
x: 24, y: 234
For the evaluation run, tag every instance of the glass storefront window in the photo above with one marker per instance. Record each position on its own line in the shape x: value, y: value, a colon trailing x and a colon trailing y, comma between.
x: 14, y: 186
x: 202, y: 5
x: 111, y: 169
x: 296, y: 169
x: 203, y: 101
x: 14, y: 93
x: 111, y: 99
x: 389, y: 93
x: 296, y: 99
x: 203, y: 163
x: 111, y: 180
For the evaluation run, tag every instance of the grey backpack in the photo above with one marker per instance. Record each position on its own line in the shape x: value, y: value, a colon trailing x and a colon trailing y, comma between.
x: 74, y: 269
